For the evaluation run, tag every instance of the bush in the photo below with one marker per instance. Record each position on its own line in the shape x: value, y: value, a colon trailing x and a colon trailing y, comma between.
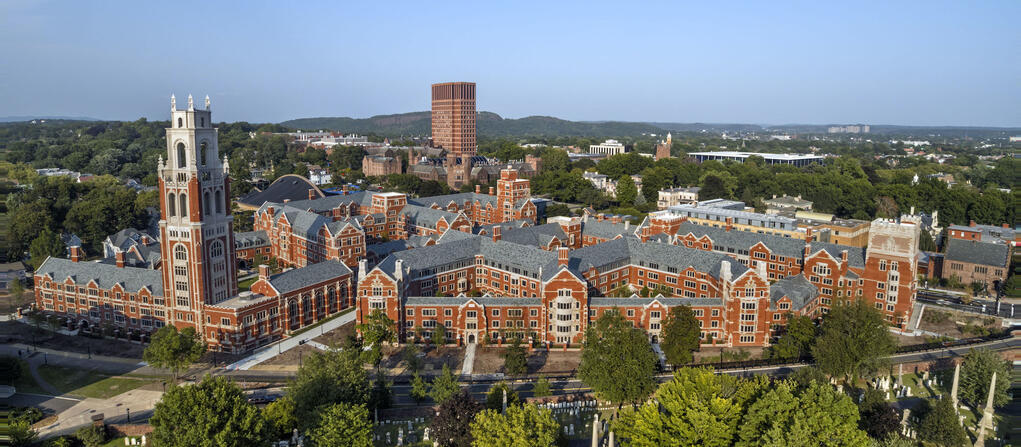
x: 91, y: 436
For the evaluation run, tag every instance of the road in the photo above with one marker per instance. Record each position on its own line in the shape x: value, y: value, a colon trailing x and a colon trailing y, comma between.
x: 979, y: 306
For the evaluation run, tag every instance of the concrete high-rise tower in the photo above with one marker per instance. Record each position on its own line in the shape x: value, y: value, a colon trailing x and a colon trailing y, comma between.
x: 195, y: 218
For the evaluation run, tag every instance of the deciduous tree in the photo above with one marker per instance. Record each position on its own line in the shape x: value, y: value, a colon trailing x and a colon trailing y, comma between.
x: 376, y: 330
x: 541, y: 387
x: 515, y: 359
x: 213, y: 412
x: 452, y: 425
x: 521, y: 426
x: 419, y: 388
x: 327, y: 378
x: 444, y: 386
x: 342, y: 424
x: 854, y: 342
x: 617, y: 360
x: 817, y: 415
x: 680, y: 335
x: 174, y: 350
x: 797, y: 338
x: 494, y: 398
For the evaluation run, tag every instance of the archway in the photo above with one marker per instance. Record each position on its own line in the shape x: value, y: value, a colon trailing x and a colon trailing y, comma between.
x: 471, y: 338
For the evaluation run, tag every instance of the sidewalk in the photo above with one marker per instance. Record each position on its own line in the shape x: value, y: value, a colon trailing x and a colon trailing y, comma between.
x: 135, y: 401
x: 469, y: 360
x: 273, y: 349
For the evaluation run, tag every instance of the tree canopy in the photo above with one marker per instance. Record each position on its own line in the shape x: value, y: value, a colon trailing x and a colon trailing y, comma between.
x: 444, y: 386
x: 174, y: 350
x: 854, y: 341
x: 213, y: 412
x: 617, y: 360
x: 327, y: 378
x: 680, y: 336
x: 817, y: 415
x: 977, y: 370
x: 342, y: 424
x: 452, y: 425
x: 521, y: 426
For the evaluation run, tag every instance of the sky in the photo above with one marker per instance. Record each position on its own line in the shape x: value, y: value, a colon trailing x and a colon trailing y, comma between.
x: 899, y: 62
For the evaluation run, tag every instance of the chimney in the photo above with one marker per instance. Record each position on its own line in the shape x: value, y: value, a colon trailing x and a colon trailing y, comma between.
x: 562, y: 255
x: 363, y: 266
x: 497, y: 233
x: 774, y: 196
x: 343, y: 189
x: 311, y: 194
x: 76, y: 253
x: 478, y: 189
x: 1005, y: 225
x: 119, y: 256
x: 971, y: 223
x: 287, y: 200
x: 399, y: 269
x: 730, y: 224
x: 271, y: 211
x: 843, y: 256
x: 808, y: 235
x: 627, y: 225
x: 808, y: 249
x: 492, y: 191
x: 263, y: 272
x: 146, y: 240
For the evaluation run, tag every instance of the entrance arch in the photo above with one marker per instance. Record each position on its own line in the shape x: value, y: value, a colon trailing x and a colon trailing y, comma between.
x: 471, y: 338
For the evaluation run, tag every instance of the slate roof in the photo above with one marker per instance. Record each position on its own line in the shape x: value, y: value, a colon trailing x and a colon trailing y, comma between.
x: 989, y: 233
x: 631, y: 250
x: 539, y: 235
x: 666, y: 301
x: 426, y: 217
x: 127, y: 237
x: 291, y: 187
x: 362, y: 198
x: 106, y: 275
x: 295, y: 279
x: 458, y: 198
x: 855, y: 255
x: 975, y: 252
x: 250, y: 239
x: 797, y: 288
x: 504, y: 226
x: 603, y: 229
x: 383, y: 249
x: 488, y: 301
x: 724, y: 240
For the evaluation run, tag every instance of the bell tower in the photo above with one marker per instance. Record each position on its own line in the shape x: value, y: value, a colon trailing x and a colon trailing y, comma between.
x: 195, y: 217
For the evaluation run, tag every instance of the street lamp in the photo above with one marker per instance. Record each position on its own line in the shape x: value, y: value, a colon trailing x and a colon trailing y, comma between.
x: 128, y: 411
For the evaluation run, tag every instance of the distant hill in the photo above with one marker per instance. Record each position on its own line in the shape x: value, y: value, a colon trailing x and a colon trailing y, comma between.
x: 14, y: 119
x: 488, y: 123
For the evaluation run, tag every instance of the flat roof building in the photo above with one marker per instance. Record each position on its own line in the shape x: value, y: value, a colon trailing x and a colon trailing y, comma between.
x: 773, y: 159
x: 608, y: 147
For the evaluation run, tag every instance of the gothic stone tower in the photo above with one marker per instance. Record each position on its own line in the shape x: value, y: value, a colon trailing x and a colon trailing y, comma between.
x: 195, y: 218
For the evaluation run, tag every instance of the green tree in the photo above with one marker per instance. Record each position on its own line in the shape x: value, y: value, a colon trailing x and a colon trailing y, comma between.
x: 717, y: 185
x: 521, y: 426
x: 376, y: 330
x: 977, y: 370
x: 280, y: 414
x: 213, y: 412
x: 452, y: 425
x: 444, y: 386
x: 940, y: 425
x: 439, y: 335
x: 925, y: 242
x: 515, y: 359
x: 796, y: 341
x: 494, y: 398
x: 91, y: 435
x: 419, y: 388
x: 327, y: 378
x: 680, y: 335
x: 817, y: 415
x: 381, y: 395
x: 174, y: 350
x: 46, y: 244
x: 854, y: 341
x: 21, y: 433
x: 17, y: 294
x: 627, y: 191
x: 342, y: 424
x: 617, y: 360
x: 555, y: 160
x: 411, y: 358
x: 697, y: 407
x: 541, y: 388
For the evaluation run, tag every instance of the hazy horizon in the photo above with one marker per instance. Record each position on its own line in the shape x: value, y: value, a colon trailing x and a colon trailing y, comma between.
x: 907, y: 64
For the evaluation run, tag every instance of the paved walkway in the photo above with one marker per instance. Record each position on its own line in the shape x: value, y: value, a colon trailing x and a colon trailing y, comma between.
x: 273, y: 349
x: 916, y: 315
x: 138, y: 402
x: 469, y: 359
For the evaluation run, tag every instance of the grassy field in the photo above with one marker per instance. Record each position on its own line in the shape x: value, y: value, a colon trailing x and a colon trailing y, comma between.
x: 88, y: 383
x: 247, y: 284
x: 25, y: 383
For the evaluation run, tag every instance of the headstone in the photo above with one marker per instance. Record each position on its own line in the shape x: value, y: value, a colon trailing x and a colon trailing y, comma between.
x: 425, y: 434
x: 409, y: 426
x: 400, y: 436
x: 595, y: 431
x: 144, y: 440
x: 900, y: 374
x: 904, y: 422
x: 127, y: 441
x: 387, y: 438
x: 572, y: 430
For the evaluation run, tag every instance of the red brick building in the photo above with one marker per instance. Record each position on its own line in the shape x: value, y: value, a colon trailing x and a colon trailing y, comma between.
x: 196, y: 282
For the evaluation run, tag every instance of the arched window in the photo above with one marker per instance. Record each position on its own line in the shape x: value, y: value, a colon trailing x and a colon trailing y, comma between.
x: 180, y: 122
x: 181, y: 156
x: 202, y: 121
x: 184, y: 204
x: 202, y: 152
x: 216, y: 249
x: 219, y: 202
x: 180, y: 253
x: 205, y: 202
x: 171, y: 205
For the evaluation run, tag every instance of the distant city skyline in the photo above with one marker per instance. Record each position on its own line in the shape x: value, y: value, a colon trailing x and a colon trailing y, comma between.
x: 907, y: 63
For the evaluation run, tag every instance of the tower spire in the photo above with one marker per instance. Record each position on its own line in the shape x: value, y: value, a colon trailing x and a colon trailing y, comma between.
x: 173, y: 103
x: 191, y: 103
x: 207, y: 102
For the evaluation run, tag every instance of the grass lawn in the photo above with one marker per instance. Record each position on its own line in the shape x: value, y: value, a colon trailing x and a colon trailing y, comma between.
x: 247, y: 284
x: 26, y: 383
x: 88, y: 383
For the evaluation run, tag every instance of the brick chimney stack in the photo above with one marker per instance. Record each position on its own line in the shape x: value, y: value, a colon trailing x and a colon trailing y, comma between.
x: 478, y: 189
x: 76, y: 254
x: 263, y: 272
x: 562, y: 256
x: 119, y: 256
x: 311, y: 194
x: 497, y: 233
x: 971, y: 223
x: 492, y: 191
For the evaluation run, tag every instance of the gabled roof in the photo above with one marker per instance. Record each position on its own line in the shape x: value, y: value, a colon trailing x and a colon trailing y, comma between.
x: 605, y: 230
x: 488, y: 301
x: 298, y: 278
x: 631, y: 250
x: 249, y: 239
x: 427, y: 217
x: 975, y: 252
x: 666, y: 301
x: 796, y: 288
x: 855, y: 255
x: 539, y: 235
x: 458, y: 198
x: 288, y: 187
x: 132, y: 279
x: 744, y: 240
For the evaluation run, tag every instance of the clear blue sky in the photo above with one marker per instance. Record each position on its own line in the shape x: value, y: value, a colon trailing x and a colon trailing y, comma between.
x: 899, y: 62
